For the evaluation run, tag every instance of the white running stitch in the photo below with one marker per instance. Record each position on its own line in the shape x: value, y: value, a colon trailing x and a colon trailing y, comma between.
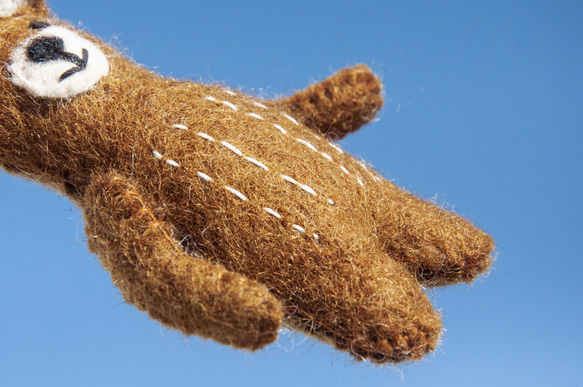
x: 206, y: 136
x: 327, y: 156
x: 336, y: 147
x: 232, y: 148
x: 230, y: 92
x: 204, y: 176
x: 282, y: 130
x: 210, y: 98
x: 229, y: 104
x: 259, y: 105
x: 363, y: 165
x: 255, y: 115
x: 309, y: 145
x: 307, y: 189
x: 158, y: 155
x: 272, y: 212
x: 302, y: 186
x: 258, y: 163
x: 291, y: 119
x: 367, y: 169
x: 299, y: 228
x: 290, y: 179
x: 236, y: 193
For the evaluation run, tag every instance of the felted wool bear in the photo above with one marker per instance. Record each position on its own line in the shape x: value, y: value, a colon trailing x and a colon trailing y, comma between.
x: 223, y: 215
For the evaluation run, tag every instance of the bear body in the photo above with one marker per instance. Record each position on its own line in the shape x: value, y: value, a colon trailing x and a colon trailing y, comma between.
x: 223, y: 215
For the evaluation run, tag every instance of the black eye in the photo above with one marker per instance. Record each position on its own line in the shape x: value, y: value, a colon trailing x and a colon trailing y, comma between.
x: 38, y: 25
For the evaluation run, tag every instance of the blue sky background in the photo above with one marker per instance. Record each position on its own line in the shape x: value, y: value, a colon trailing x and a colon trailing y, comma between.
x: 484, y: 111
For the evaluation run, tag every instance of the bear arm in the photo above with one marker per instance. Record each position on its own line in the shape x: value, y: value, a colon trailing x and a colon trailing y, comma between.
x: 340, y: 104
x: 154, y: 273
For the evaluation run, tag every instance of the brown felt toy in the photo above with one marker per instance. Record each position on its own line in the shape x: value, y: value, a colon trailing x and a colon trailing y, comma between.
x: 223, y: 215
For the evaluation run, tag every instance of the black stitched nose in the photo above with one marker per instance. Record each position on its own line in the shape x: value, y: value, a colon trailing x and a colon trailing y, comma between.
x: 47, y: 48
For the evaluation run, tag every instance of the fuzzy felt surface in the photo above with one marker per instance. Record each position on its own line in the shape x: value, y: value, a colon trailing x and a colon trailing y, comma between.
x: 224, y: 216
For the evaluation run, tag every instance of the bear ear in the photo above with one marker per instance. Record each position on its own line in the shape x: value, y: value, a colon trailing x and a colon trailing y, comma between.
x: 10, y: 7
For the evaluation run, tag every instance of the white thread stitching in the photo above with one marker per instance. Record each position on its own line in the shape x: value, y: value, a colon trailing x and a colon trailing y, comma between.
x: 210, y: 98
x: 205, y: 136
x: 307, y: 189
x: 204, y: 176
x: 263, y: 166
x: 232, y: 106
x: 158, y: 155
x: 259, y: 105
x: 290, y: 179
x: 236, y: 193
x: 255, y: 115
x: 235, y: 150
x: 309, y: 145
x: 272, y: 212
x: 282, y: 130
x: 302, y: 186
x: 232, y: 148
x: 336, y: 147
x: 366, y: 169
x: 258, y: 163
x: 290, y: 118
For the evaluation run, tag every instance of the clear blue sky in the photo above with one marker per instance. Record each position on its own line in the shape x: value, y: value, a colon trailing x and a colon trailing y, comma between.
x: 484, y: 112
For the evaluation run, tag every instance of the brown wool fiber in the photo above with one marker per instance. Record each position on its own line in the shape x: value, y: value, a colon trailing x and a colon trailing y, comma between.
x: 225, y: 216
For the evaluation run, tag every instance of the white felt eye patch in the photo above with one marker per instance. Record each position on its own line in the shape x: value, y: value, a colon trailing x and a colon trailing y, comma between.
x: 8, y: 7
x: 57, y: 63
